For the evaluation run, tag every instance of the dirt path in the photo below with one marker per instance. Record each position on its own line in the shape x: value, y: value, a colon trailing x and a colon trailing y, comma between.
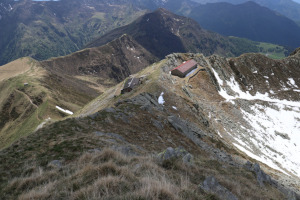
x: 23, y: 93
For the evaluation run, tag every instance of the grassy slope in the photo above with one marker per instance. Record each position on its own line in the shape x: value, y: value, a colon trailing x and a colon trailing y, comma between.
x: 108, y: 174
x: 112, y: 175
x: 24, y: 107
x: 61, y: 83
x: 19, y: 103
x: 39, y: 34
x: 271, y: 50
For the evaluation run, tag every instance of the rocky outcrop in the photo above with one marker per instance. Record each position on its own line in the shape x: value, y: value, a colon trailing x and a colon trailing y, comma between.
x: 179, y: 153
x: 55, y: 164
x: 296, y: 51
x: 261, y: 176
x: 187, y: 128
x: 210, y: 184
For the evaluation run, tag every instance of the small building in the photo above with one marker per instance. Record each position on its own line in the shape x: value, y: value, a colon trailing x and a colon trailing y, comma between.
x: 130, y: 84
x: 183, y: 69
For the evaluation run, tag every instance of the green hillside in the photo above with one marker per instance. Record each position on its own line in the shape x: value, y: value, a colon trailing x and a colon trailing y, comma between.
x: 55, y: 28
x: 269, y: 50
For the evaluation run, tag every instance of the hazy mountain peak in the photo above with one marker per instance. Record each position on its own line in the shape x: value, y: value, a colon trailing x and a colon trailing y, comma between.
x: 288, y: 8
x: 248, y: 20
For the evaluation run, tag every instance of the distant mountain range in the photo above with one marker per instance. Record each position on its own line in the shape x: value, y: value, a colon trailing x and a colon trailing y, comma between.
x: 289, y: 8
x: 56, y: 28
x: 162, y: 32
x: 248, y: 20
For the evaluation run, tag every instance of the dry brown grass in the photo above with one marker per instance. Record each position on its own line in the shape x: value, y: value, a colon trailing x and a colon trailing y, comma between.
x: 100, y: 175
x: 111, y: 175
x: 157, y: 188
x: 108, y: 186
x: 36, y: 179
x: 14, y: 68
x: 42, y: 192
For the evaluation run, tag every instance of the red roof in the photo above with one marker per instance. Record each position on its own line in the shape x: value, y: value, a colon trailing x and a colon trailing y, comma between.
x: 186, y: 66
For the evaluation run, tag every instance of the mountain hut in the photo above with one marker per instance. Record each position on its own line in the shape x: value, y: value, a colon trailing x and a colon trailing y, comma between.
x: 183, y: 69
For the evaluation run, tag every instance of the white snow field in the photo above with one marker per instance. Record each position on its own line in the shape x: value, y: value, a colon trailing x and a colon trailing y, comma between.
x: 274, y: 136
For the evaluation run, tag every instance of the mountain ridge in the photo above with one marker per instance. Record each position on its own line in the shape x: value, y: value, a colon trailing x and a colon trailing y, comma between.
x: 204, y: 112
x: 35, y: 93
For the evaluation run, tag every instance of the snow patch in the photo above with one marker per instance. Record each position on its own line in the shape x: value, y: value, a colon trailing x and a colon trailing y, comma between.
x: 220, y: 134
x: 274, y: 136
x: 277, y: 128
x: 234, y: 86
x: 292, y: 82
x: 63, y: 110
x: 267, y: 162
x: 174, y: 107
x: 161, y: 99
x: 42, y: 124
